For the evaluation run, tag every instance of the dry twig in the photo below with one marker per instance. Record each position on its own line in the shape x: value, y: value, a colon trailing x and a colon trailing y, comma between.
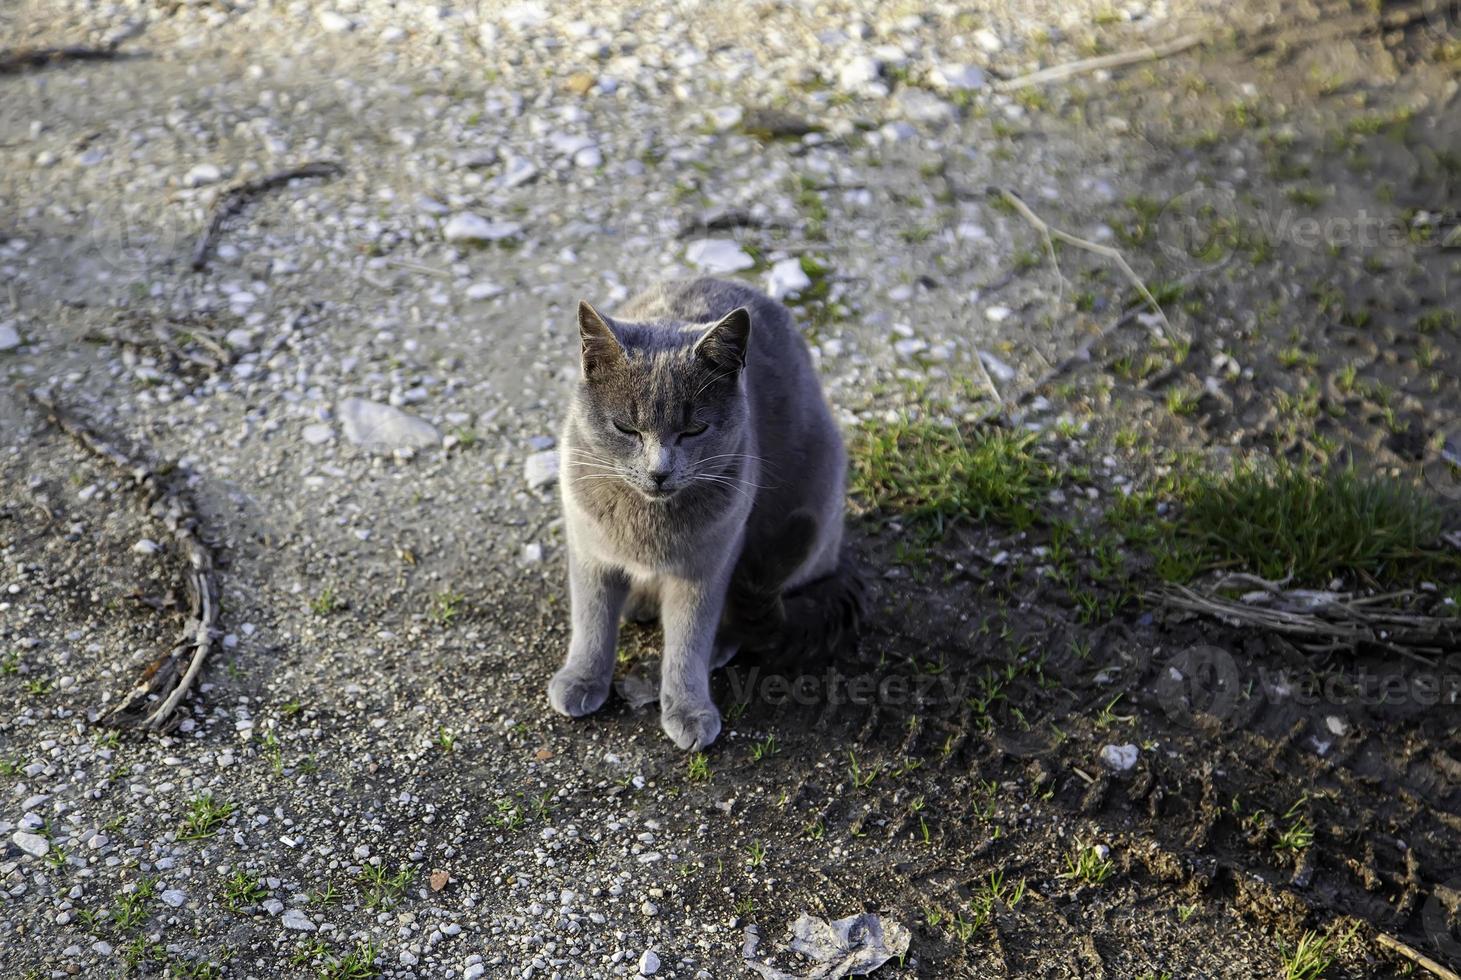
x: 1415, y: 956
x: 1120, y: 59
x: 1050, y: 235
x: 234, y: 200
x: 166, y: 681
x: 1329, y: 620
x: 184, y: 341
x: 16, y: 61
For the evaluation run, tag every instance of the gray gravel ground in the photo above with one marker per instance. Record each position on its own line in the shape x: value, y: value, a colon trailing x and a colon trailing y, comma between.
x: 381, y: 763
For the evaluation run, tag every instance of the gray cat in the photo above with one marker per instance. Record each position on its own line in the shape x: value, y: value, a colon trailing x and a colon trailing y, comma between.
x: 698, y: 452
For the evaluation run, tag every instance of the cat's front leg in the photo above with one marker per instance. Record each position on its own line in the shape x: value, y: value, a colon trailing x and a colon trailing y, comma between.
x: 596, y: 594
x: 690, y: 611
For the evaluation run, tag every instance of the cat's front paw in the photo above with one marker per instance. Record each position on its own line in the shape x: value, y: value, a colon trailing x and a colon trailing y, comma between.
x: 575, y: 695
x: 690, y: 726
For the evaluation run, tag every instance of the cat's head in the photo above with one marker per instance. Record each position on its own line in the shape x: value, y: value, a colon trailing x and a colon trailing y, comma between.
x: 661, y: 408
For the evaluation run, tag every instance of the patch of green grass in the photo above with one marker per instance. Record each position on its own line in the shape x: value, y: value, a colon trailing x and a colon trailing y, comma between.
x: 762, y: 750
x: 1314, y: 524
x: 931, y: 476
x: 204, y: 817
x: 358, y: 964
x: 243, y: 890
x: 1086, y: 864
x: 698, y: 768
x: 325, y: 603
x: 446, y: 606
x: 1309, y: 959
x: 383, y: 890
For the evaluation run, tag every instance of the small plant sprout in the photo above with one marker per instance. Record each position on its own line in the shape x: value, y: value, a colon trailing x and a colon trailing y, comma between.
x: 204, y: 817
x: 243, y: 890
x: 763, y: 749
x: 1088, y: 864
x: 698, y: 768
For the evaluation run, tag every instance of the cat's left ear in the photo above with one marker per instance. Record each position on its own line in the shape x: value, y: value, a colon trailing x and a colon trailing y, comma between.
x: 601, y: 349
x: 725, y: 343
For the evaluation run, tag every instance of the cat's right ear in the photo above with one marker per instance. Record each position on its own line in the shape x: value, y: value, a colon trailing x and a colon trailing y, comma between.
x: 601, y: 348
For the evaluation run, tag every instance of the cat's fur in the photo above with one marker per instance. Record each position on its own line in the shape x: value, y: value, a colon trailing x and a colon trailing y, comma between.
x: 756, y: 499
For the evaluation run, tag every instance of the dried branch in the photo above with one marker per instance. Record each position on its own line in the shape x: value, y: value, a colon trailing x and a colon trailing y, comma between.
x: 166, y: 681
x: 234, y: 200
x: 16, y: 61
x: 1051, y: 235
x: 1333, y: 620
x: 1415, y: 956
x: 184, y: 341
x: 1120, y: 59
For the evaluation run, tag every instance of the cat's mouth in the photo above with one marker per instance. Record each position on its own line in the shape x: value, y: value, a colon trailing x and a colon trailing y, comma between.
x: 659, y: 493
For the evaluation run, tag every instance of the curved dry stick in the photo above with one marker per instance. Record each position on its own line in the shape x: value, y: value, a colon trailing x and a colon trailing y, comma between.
x: 166, y: 497
x: 1415, y: 956
x: 234, y: 200
x: 1119, y: 60
x: 1048, y: 233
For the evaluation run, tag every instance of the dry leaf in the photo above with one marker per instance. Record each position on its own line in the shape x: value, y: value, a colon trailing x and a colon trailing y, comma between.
x: 439, y: 880
x: 543, y: 754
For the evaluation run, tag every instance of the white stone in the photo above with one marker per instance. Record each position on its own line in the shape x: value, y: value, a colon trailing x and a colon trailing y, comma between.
x: 317, y: 434
x: 483, y: 290
x: 146, y: 546
x: 541, y: 469
x: 517, y: 171
x: 568, y: 144
x: 588, y: 158
x: 726, y: 117
x: 997, y: 368
x: 32, y: 844
x: 524, y: 16
x: 897, y: 132
x: 908, y: 348
x: 786, y: 278
x: 648, y: 963
x: 859, y: 72
x: 717, y: 255
x: 335, y: 22
x: 468, y: 227
x: 381, y: 428
x: 9, y: 336
x: 532, y: 553
x: 921, y: 106
x: 203, y: 173
x: 174, y: 898
x: 297, y: 920
x: 1120, y: 757
x: 958, y: 78
x: 988, y: 41
x: 474, y: 972
x: 273, y: 906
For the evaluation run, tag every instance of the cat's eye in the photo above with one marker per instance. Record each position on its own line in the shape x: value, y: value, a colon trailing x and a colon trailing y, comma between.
x: 626, y: 429
x: 695, y: 429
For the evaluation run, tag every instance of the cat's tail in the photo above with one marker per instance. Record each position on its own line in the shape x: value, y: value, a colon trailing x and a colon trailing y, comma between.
x: 823, y: 614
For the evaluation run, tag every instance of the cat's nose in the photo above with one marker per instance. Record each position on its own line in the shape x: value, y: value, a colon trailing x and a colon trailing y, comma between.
x: 659, y: 477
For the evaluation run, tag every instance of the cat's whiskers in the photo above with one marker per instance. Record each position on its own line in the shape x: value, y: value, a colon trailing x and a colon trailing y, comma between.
x: 702, y: 478
x: 734, y: 477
